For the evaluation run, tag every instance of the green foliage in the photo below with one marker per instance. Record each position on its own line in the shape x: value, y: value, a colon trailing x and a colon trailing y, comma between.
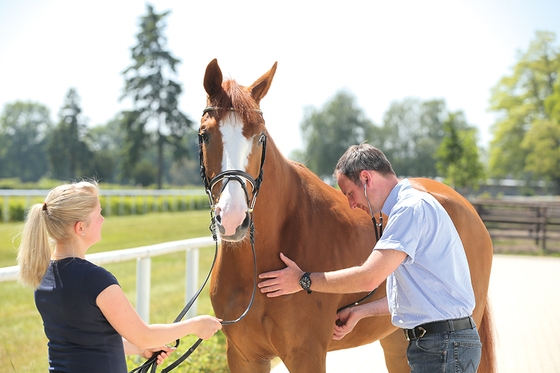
x: 411, y: 134
x: 23, y: 130
x: 69, y: 156
x: 457, y: 155
x: 527, y: 100
x: 330, y: 131
x: 155, y: 97
x: 117, y: 205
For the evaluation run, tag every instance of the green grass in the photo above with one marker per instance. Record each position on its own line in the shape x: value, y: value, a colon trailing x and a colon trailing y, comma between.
x: 23, y: 343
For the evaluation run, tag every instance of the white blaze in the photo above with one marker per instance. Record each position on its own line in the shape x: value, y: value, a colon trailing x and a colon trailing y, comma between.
x: 232, y: 206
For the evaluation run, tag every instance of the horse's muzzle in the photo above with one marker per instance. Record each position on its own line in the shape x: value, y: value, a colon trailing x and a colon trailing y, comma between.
x: 240, y: 231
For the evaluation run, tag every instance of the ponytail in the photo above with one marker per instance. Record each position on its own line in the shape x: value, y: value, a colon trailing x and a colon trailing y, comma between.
x: 34, y: 250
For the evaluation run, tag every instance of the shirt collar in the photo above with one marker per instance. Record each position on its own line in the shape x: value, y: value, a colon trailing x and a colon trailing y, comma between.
x: 393, y: 196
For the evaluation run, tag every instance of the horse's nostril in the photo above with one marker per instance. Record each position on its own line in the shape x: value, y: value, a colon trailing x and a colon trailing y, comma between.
x: 219, y: 219
x: 246, y: 221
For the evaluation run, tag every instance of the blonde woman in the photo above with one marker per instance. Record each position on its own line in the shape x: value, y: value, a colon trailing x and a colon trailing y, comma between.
x: 89, y: 322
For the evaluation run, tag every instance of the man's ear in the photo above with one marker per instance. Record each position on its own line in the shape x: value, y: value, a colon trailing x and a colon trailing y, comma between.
x: 365, y: 177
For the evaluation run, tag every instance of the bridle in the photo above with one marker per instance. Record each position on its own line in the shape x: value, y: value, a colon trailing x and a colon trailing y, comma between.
x: 242, y: 177
x: 238, y: 175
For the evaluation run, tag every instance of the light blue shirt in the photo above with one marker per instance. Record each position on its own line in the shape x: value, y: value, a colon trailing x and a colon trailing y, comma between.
x: 433, y: 282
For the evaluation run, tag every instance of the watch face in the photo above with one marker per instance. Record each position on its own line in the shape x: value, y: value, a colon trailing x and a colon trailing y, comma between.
x: 305, y: 282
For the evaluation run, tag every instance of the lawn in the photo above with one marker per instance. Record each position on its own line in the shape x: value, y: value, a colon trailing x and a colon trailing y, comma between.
x: 23, y: 344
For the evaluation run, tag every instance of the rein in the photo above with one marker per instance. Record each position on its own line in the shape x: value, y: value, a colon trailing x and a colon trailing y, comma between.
x: 242, y: 178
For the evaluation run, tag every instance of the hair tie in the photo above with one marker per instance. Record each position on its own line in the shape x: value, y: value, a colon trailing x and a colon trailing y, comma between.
x: 44, y: 206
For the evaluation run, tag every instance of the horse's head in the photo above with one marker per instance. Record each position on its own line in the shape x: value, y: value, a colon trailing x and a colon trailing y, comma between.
x: 232, y: 139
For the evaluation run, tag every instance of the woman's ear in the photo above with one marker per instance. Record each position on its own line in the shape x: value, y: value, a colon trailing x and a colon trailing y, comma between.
x: 79, y: 228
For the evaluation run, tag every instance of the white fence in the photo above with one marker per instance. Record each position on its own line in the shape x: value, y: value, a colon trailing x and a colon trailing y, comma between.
x: 143, y: 257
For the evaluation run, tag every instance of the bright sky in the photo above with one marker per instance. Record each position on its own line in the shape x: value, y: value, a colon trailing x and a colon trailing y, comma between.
x: 380, y: 51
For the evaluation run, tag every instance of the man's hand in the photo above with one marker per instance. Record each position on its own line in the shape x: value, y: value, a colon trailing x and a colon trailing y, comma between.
x: 282, y: 282
x: 344, y: 323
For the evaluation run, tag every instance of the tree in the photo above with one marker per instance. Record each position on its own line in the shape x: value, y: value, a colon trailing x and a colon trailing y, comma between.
x: 23, y: 129
x: 106, y: 143
x: 457, y: 155
x: 328, y: 132
x: 155, y: 118
x: 542, y: 142
x: 411, y: 134
x: 522, y: 133
x: 68, y: 154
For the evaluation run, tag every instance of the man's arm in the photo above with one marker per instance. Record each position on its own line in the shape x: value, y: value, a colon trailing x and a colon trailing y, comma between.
x: 347, y: 319
x: 368, y: 276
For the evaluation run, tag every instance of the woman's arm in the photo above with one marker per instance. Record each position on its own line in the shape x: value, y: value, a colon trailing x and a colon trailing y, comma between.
x: 126, y: 321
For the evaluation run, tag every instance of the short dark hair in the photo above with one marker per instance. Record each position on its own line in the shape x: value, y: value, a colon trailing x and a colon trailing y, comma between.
x: 362, y: 157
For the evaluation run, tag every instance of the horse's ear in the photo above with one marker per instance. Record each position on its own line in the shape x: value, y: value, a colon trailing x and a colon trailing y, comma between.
x: 213, y: 78
x: 260, y: 87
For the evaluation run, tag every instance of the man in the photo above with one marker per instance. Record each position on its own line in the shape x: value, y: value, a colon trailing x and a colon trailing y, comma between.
x: 429, y: 291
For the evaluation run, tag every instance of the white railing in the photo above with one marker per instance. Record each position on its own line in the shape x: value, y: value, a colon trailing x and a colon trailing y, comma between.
x: 143, y: 257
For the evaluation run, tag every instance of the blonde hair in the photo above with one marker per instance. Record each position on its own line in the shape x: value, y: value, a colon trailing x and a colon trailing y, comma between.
x: 51, y: 222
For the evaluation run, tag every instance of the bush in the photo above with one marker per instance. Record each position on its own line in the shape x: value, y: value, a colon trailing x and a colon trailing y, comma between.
x: 116, y: 205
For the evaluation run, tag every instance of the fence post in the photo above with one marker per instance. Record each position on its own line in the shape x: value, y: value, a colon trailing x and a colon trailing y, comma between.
x: 192, y: 280
x: 6, y: 211
x: 143, y: 275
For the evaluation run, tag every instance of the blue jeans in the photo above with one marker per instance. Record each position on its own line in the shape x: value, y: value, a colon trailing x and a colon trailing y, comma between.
x: 447, y: 352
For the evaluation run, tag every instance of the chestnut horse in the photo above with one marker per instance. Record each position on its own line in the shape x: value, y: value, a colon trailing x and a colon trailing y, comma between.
x: 309, y: 221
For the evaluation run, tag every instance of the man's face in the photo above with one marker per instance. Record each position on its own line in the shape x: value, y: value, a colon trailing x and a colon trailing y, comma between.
x: 353, y: 192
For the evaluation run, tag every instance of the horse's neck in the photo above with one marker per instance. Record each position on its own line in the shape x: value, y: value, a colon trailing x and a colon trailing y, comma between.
x: 279, y: 175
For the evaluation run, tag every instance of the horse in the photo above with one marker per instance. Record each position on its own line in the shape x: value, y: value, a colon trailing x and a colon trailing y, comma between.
x: 264, y: 204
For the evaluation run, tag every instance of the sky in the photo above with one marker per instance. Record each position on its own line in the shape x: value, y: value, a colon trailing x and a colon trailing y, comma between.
x: 378, y: 51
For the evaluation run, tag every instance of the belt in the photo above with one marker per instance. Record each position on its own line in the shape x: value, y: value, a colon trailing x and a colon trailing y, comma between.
x: 439, y: 327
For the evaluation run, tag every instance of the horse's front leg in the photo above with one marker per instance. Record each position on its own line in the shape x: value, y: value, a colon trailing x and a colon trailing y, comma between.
x: 245, y: 361
x: 307, y: 360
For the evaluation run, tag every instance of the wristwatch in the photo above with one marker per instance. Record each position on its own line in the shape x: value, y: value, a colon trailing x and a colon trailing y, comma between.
x: 305, y: 282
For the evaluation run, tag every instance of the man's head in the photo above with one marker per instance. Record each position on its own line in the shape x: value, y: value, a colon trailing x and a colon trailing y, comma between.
x: 362, y: 157
x: 365, y: 177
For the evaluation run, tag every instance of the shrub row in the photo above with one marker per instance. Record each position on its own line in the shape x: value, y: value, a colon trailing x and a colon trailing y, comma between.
x: 16, y: 207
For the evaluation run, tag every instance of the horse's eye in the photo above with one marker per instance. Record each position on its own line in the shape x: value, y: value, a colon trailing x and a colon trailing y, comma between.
x: 204, y: 136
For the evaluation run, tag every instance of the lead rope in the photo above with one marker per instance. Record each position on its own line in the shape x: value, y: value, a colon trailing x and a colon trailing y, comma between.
x: 150, y: 365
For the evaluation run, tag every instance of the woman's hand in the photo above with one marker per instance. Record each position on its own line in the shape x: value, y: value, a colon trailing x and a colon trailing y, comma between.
x: 163, y: 353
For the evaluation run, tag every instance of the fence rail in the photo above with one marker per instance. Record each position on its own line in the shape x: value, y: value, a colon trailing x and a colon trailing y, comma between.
x: 143, y: 257
x: 522, y: 219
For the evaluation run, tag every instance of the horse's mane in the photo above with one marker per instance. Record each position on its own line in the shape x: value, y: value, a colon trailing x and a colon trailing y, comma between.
x: 236, y: 97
